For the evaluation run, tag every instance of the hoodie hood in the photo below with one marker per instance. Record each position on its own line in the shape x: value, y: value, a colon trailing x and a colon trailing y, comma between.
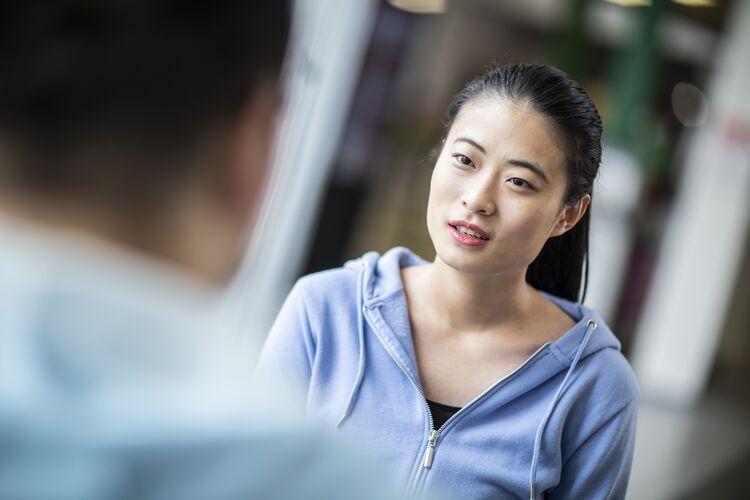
x: 380, y: 280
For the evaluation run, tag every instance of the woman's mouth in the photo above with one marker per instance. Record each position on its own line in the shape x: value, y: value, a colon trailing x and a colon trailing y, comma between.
x: 468, y: 234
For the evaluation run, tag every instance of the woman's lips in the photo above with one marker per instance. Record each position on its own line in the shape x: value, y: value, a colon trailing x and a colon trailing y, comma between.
x: 468, y: 234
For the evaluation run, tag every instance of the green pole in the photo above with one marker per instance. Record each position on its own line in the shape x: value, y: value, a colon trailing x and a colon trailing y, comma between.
x: 635, y: 77
x: 571, y: 47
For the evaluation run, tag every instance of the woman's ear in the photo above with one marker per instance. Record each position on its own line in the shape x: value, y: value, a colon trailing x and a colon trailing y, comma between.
x: 570, y: 215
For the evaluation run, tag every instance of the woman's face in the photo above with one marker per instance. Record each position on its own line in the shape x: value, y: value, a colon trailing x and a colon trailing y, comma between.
x: 497, y: 189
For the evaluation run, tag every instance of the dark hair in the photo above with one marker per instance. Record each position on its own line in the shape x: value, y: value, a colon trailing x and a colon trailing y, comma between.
x: 559, y: 268
x: 142, y: 81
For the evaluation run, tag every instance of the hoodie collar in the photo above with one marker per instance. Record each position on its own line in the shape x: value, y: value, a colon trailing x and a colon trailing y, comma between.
x: 383, y: 289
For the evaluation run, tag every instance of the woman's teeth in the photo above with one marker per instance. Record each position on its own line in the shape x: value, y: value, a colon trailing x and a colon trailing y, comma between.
x: 469, y: 232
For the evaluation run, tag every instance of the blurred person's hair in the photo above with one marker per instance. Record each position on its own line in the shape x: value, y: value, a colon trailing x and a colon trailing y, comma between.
x: 120, y: 100
x: 559, y: 268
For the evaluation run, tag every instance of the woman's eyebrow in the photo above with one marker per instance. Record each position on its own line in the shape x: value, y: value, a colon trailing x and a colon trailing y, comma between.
x: 531, y: 166
x: 474, y: 143
x: 513, y: 161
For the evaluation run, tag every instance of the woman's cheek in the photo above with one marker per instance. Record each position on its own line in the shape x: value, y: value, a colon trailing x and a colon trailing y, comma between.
x: 438, y: 189
x: 525, y: 225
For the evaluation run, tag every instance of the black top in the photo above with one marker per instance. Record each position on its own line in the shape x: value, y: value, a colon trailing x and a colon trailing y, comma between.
x: 440, y: 413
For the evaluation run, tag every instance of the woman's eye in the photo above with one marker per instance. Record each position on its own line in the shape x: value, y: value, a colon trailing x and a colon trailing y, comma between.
x: 517, y: 181
x: 464, y: 160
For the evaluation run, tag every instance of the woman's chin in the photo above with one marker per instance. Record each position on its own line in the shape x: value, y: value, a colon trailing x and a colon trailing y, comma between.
x: 463, y: 260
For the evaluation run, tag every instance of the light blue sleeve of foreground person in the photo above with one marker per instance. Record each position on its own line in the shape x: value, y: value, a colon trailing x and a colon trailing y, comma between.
x: 278, y: 465
x: 600, y: 468
x: 283, y: 466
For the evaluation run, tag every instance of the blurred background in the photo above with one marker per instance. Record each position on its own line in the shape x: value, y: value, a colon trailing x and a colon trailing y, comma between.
x: 368, y: 85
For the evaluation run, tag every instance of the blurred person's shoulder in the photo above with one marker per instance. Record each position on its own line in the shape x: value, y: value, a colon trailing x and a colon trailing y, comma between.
x: 114, y: 373
x: 99, y: 340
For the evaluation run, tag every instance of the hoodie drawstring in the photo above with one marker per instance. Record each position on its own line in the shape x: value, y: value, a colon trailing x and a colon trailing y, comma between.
x: 361, y: 336
x: 591, y: 326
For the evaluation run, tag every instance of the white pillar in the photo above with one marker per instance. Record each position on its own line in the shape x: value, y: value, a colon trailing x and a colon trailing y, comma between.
x: 329, y: 40
x: 704, y: 243
x: 616, y: 193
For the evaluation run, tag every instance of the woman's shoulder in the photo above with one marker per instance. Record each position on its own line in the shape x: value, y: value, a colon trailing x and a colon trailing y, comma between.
x: 609, y: 380
x: 603, y: 370
x: 379, y: 273
x: 340, y: 282
x: 615, y: 370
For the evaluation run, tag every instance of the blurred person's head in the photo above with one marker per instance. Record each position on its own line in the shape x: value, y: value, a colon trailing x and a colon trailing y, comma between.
x: 514, y: 178
x: 146, y: 122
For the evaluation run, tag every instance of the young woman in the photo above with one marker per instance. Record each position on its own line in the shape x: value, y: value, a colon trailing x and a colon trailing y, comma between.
x: 478, y: 375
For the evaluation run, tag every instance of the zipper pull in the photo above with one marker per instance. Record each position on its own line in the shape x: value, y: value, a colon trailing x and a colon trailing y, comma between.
x: 430, y: 451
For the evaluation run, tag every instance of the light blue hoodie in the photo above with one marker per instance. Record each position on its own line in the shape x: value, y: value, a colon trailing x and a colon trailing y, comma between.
x: 560, y: 426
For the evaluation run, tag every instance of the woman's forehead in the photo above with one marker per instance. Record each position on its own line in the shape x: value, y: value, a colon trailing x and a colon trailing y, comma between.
x: 508, y: 128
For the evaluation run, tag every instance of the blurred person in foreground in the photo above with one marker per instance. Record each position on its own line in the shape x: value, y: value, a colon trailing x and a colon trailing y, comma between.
x: 134, y: 139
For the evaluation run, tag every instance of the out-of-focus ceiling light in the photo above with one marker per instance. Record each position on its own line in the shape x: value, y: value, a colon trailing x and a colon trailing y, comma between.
x: 420, y: 6
x: 689, y: 104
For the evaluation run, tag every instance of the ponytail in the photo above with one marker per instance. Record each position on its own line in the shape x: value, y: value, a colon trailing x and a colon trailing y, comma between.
x: 559, y: 268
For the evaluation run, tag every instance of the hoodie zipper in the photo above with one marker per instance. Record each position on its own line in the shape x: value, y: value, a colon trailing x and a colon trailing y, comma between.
x: 430, y: 451
x: 431, y: 448
x: 434, y: 435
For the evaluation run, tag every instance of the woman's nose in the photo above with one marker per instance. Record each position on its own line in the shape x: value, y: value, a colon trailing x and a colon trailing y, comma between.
x: 480, y: 198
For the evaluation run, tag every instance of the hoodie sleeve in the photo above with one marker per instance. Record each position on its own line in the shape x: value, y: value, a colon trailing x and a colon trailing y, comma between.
x: 290, y: 347
x: 599, y: 469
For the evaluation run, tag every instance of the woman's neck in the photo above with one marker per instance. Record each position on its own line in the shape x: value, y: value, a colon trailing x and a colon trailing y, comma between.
x: 470, y: 302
